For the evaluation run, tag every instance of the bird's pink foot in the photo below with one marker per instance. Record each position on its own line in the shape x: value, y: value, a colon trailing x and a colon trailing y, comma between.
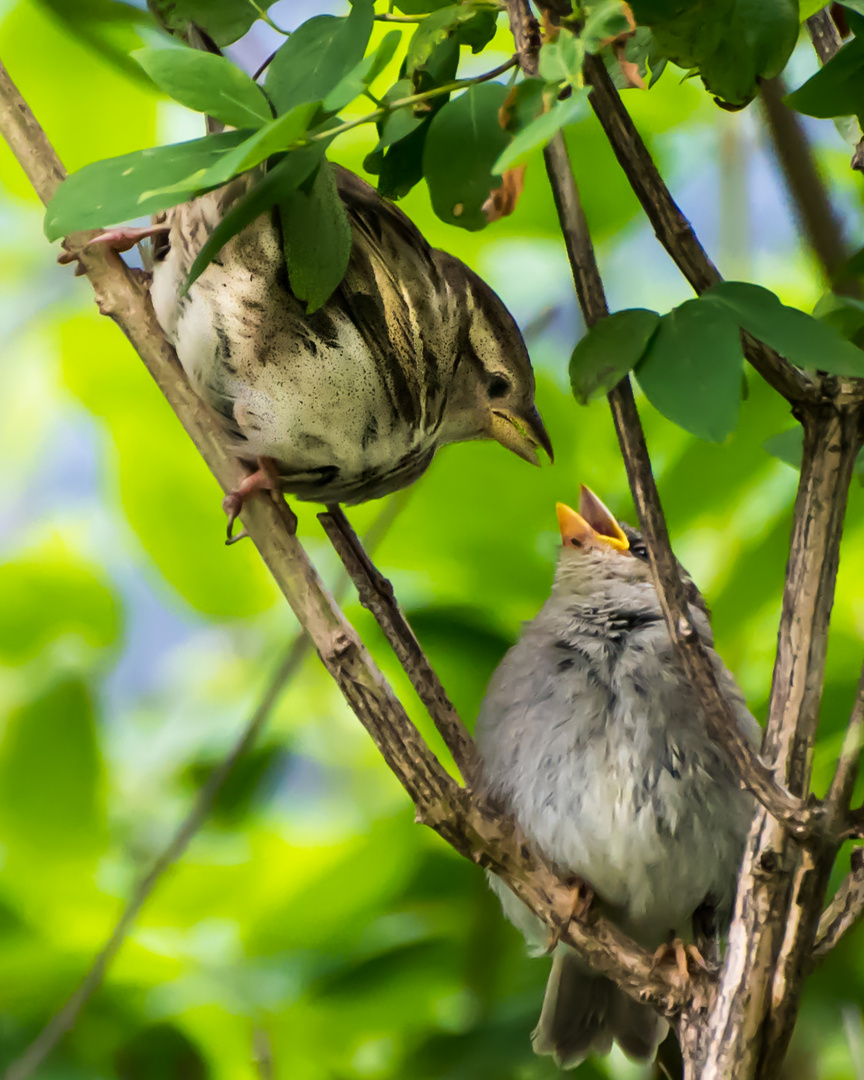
x: 265, y: 478
x: 125, y: 238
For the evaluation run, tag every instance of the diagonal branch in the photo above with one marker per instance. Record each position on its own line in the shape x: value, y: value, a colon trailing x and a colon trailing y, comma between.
x: 474, y: 828
x: 672, y: 228
x: 376, y: 594
x: 667, y: 577
x: 845, y: 909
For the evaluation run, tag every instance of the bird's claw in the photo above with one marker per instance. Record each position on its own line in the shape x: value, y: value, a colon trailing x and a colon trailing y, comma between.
x: 582, y: 899
x: 675, y: 951
x: 265, y: 478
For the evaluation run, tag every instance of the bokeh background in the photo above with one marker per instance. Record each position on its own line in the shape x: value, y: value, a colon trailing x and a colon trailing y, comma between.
x: 312, y: 930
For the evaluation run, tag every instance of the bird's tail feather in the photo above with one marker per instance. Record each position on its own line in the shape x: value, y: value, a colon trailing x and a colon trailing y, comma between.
x: 582, y: 1013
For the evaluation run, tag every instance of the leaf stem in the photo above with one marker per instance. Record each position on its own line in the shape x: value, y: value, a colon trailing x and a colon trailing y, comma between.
x: 262, y: 14
x: 404, y: 103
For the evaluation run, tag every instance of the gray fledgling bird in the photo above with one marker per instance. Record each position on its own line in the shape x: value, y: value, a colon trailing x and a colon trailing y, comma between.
x: 592, y: 737
x: 411, y: 352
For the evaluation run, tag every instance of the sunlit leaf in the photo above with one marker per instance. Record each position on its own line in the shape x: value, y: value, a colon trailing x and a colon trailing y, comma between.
x: 561, y: 61
x: 606, y: 20
x: 363, y: 74
x: 317, y: 56
x: 837, y: 88
x: 443, y: 23
x: 541, y: 130
x: 108, y: 192
x: 207, y: 83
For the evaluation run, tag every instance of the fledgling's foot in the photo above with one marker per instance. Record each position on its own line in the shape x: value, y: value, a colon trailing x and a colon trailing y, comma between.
x: 583, y: 897
x: 676, y: 952
x: 124, y: 239
x: 265, y: 478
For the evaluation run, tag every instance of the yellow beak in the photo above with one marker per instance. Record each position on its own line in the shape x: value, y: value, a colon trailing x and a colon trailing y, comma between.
x: 593, y: 525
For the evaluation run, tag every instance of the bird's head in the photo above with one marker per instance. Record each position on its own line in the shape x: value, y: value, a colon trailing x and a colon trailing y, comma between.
x: 491, y: 394
x: 597, y: 551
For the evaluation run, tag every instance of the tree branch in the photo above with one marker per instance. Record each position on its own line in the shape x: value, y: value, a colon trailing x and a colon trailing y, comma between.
x: 845, y: 909
x: 376, y: 595
x: 672, y: 228
x: 780, y: 888
x: 474, y: 828
x: 824, y: 35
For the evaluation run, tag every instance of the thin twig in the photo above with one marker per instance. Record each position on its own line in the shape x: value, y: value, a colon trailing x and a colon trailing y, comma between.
x: 376, y: 594
x: 672, y: 228
x: 845, y: 909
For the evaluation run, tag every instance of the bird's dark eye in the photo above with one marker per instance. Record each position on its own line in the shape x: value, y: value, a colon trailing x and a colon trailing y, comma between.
x: 640, y: 551
x: 498, y: 386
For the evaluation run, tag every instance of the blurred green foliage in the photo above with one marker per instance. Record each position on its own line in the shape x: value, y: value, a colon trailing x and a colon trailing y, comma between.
x: 312, y: 931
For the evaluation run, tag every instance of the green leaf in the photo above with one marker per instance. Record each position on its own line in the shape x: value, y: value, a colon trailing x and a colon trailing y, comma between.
x: 691, y: 371
x: 609, y: 351
x: 837, y: 88
x: 108, y: 192
x: 605, y: 21
x: 420, y: 7
x: 541, y: 130
x: 803, y: 340
x: 51, y: 773
x: 464, y: 142
x: 284, y: 177
x: 561, y: 61
x: 318, y: 55
x: 207, y: 83
x: 401, y: 122
x: 363, y: 74
x: 224, y: 20
x: 278, y: 135
x: 317, y: 238
x: 444, y: 23
x: 732, y: 44
x: 49, y: 595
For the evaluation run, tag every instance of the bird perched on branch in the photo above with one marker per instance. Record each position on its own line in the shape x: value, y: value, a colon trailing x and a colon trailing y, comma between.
x: 592, y: 737
x: 412, y: 351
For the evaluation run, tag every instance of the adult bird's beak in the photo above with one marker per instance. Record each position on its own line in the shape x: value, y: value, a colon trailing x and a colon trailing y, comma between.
x: 594, y: 524
x: 521, y: 434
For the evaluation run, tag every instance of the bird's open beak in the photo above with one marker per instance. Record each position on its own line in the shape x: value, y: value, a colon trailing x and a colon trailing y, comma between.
x: 524, y: 435
x: 592, y: 525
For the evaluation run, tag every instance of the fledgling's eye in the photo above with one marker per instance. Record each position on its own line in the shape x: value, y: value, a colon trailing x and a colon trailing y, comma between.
x: 498, y: 386
x: 640, y: 551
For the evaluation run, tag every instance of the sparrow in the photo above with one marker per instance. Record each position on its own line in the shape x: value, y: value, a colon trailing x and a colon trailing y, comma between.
x: 349, y: 403
x: 591, y: 736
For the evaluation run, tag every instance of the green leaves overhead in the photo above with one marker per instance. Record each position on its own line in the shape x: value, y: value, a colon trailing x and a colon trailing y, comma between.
x: 464, y: 142
x: 363, y: 74
x: 605, y: 21
x: 837, y: 89
x: 732, y: 44
x: 613, y: 347
x: 207, y: 83
x: 689, y: 362
x: 561, y: 61
x: 110, y: 191
x: 807, y: 342
x: 224, y: 20
x: 317, y: 238
x: 318, y: 55
x: 540, y: 130
x: 468, y: 24
x: 691, y: 371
